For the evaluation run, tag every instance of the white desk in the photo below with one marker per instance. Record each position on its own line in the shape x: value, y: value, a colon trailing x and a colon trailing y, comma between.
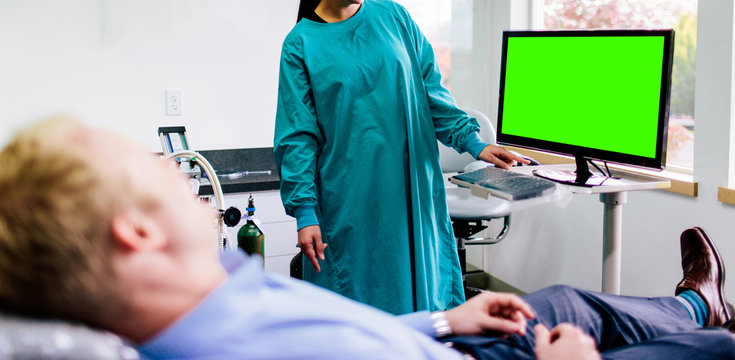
x: 613, y: 196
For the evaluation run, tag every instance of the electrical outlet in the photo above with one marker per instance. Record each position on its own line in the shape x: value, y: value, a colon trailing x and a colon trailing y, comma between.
x: 174, y: 101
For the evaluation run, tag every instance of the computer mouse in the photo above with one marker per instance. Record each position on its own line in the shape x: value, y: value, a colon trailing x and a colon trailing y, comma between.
x: 532, y: 161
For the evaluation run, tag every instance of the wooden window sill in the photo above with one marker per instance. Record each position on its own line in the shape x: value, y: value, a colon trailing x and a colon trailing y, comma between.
x: 681, y: 183
x: 726, y: 195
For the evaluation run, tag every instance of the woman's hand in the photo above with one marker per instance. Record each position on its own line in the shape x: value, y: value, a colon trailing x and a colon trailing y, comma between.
x: 310, y: 242
x: 500, y: 157
x: 502, y: 312
x: 566, y: 342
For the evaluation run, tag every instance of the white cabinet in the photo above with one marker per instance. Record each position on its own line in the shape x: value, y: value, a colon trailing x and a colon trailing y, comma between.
x: 279, y: 228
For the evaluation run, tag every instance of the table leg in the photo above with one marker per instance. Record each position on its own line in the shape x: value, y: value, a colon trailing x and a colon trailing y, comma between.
x: 612, y: 239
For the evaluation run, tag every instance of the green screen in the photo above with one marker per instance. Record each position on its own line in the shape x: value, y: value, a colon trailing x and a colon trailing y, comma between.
x: 600, y: 92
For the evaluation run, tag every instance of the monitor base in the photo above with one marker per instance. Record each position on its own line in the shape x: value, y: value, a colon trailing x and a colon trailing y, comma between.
x: 582, y: 176
x: 571, y: 178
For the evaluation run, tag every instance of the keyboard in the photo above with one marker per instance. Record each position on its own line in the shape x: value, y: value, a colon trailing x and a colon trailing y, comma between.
x: 506, y: 184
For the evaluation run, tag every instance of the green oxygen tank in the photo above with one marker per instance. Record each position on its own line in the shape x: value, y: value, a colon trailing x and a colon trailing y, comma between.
x: 250, y: 237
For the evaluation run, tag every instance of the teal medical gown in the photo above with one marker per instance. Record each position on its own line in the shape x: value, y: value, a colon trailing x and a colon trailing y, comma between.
x: 360, y: 107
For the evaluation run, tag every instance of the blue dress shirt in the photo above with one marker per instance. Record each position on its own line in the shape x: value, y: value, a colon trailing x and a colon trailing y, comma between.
x: 258, y: 315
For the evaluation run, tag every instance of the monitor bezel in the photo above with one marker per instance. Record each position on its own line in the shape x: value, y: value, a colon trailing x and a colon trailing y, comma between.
x: 658, y: 162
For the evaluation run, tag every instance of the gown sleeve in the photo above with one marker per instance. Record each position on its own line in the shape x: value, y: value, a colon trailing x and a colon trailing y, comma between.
x: 453, y: 126
x: 297, y: 137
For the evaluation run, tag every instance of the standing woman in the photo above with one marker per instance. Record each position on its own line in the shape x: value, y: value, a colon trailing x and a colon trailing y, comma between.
x: 360, y: 107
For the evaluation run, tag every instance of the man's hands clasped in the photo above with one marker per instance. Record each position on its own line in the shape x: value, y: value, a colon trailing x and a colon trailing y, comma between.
x: 508, y: 314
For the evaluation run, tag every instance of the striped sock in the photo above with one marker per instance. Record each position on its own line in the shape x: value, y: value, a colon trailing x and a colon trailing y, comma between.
x: 695, y: 306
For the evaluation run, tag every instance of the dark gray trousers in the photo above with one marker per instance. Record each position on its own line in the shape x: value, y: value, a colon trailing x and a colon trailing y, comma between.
x: 623, y: 328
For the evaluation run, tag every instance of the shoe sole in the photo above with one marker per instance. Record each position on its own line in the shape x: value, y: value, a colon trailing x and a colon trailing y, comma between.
x: 720, y: 272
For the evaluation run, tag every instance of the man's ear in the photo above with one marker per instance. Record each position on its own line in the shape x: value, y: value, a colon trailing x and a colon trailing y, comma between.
x: 133, y: 230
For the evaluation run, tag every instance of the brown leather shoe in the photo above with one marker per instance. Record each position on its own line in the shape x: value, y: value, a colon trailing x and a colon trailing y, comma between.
x: 704, y: 272
x: 729, y: 325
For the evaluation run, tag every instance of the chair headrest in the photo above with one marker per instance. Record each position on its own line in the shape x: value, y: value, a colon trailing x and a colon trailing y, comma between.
x: 26, y: 338
x: 450, y: 160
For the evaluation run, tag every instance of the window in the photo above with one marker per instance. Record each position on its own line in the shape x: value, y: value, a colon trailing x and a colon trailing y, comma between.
x: 680, y: 15
x: 434, y: 18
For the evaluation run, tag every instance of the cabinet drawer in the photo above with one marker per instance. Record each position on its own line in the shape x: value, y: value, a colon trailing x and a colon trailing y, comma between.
x: 279, y: 264
x: 280, y: 238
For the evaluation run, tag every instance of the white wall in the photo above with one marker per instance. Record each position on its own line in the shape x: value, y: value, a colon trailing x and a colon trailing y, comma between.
x: 549, y: 245
x: 110, y: 61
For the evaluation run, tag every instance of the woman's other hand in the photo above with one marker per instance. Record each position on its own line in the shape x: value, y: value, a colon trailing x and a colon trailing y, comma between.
x: 310, y: 242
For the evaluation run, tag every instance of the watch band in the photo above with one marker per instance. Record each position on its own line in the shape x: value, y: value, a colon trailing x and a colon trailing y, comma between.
x: 441, y: 325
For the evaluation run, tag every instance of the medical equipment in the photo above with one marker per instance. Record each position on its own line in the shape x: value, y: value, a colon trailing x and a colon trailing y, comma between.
x: 175, y: 146
x: 250, y: 238
x: 173, y: 139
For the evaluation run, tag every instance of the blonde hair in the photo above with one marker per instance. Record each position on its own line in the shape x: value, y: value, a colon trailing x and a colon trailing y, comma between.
x: 55, y: 214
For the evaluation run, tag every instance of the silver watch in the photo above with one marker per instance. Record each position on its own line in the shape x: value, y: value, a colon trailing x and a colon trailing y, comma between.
x: 441, y: 325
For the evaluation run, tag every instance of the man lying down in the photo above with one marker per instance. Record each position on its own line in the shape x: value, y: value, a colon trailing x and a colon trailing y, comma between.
x: 95, y: 229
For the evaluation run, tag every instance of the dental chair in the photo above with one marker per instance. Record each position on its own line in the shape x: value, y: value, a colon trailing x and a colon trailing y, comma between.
x: 470, y: 214
x: 41, y: 339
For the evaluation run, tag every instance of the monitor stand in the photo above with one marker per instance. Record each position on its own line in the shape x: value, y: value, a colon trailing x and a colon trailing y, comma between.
x: 582, y: 176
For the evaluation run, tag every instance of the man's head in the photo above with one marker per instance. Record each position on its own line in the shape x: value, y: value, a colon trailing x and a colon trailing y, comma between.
x: 87, y: 218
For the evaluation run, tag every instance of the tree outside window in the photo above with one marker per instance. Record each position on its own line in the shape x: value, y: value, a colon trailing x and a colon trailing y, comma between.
x: 681, y: 15
x: 434, y: 18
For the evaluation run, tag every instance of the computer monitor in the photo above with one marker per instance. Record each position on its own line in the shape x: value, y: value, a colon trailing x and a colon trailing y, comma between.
x: 592, y: 94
